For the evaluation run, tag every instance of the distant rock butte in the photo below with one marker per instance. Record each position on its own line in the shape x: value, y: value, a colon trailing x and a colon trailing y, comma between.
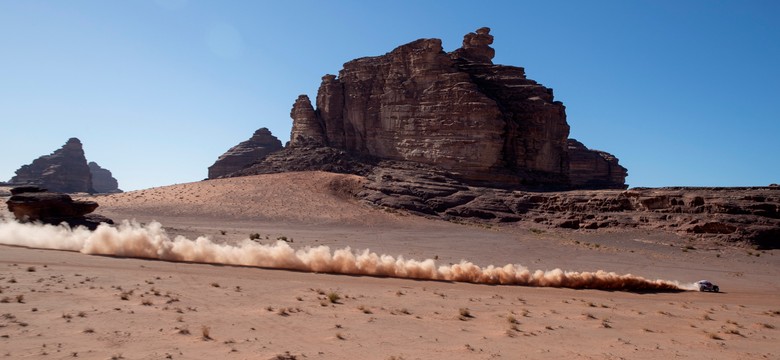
x: 66, y: 171
x: 245, y: 154
x: 102, y: 179
x: 456, y: 111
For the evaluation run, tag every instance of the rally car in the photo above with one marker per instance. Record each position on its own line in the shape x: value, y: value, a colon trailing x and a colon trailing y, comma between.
x: 705, y: 285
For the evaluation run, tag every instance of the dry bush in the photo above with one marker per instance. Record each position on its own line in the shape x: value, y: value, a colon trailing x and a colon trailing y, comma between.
x: 205, y: 333
x: 334, y: 297
x: 464, y: 314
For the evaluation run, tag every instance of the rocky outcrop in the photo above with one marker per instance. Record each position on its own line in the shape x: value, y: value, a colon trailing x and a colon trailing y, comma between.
x: 102, y: 179
x: 456, y: 111
x: 593, y: 169
x: 306, y: 129
x: 31, y: 204
x: 245, y: 153
x: 65, y: 170
x: 309, y: 158
x: 749, y: 216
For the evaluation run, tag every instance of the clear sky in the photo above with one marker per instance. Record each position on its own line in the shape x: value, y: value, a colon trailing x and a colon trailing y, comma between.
x: 682, y: 92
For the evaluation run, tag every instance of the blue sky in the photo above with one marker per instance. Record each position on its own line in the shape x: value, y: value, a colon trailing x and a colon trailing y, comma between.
x: 682, y: 92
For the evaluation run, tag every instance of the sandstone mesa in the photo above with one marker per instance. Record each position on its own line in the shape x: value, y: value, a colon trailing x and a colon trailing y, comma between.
x: 455, y: 111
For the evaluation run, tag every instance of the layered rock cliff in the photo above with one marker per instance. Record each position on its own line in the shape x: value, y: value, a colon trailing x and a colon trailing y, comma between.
x: 245, y: 153
x: 743, y: 216
x: 65, y: 170
x: 456, y: 111
x: 593, y: 169
x: 102, y: 179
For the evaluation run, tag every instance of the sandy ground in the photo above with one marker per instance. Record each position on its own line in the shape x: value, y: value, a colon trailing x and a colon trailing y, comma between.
x: 58, y: 304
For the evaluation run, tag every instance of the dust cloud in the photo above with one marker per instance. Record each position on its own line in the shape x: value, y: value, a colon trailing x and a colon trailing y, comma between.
x: 150, y: 241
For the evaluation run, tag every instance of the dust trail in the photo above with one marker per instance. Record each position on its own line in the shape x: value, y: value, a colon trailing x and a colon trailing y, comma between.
x: 130, y: 239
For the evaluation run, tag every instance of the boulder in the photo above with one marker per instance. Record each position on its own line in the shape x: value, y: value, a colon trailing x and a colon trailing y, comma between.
x: 245, y: 153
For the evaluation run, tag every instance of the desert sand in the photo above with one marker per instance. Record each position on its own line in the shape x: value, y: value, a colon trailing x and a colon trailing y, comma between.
x: 65, y: 304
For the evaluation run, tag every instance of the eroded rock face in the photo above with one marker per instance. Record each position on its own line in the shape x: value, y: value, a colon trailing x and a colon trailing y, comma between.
x: 102, y: 179
x: 749, y: 216
x: 65, y: 170
x: 306, y: 129
x: 457, y: 111
x: 245, y: 153
x: 593, y: 169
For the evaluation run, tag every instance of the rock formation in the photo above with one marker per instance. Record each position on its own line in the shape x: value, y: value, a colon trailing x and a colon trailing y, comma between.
x: 593, y: 169
x: 102, y: 179
x: 246, y: 153
x: 456, y: 111
x: 748, y: 216
x: 64, y: 170
x: 29, y: 204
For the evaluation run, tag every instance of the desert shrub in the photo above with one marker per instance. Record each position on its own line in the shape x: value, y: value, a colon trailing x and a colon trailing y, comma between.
x: 334, y: 297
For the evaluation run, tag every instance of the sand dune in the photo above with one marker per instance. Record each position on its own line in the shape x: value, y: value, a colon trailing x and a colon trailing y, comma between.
x: 311, y: 197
